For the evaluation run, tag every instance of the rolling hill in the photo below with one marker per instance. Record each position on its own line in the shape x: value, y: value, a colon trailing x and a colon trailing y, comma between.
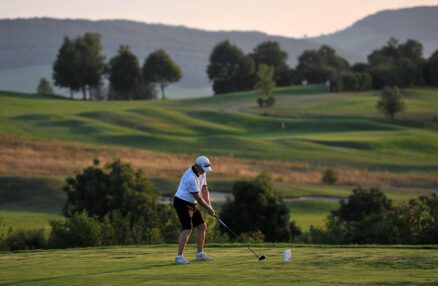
x: 373, y: 32
x: 28, y: 47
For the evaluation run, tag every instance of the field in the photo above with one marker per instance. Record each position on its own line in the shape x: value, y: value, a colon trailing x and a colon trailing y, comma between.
x: 45, y: 139
x: 233, y: 265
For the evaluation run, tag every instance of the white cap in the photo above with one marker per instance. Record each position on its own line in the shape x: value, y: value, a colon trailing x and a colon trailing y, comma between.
x: 204, y: 163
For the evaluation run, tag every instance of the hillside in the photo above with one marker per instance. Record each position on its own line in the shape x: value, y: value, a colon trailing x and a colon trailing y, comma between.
x: 233, y: 265
x: 29, y: 46
x: 373, y: 32
x: 308, y: 130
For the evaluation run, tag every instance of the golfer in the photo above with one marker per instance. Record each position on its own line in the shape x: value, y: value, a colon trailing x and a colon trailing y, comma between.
x: 191, y: 191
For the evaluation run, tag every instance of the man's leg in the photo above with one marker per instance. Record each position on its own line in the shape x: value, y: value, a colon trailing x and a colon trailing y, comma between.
x: 183, y: 238
x: 201, y: 236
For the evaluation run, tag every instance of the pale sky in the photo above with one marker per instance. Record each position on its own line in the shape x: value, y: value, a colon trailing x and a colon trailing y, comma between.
x: 293, y: 18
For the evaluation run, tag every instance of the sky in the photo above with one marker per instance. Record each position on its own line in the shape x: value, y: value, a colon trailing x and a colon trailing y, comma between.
x: 290, y: 18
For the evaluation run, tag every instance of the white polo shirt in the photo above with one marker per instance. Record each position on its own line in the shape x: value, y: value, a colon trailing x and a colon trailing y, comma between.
x: 190, y: 184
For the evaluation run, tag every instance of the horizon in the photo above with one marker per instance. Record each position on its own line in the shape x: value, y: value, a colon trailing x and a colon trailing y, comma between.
x: 260, y: 18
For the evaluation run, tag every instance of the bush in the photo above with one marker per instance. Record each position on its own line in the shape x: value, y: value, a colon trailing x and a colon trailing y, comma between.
x: 78, y: 231
x: 390, y: 102
x: 330, y: 176
x: 25, y: 239
x: 257, y: 207
x: 115, y: 205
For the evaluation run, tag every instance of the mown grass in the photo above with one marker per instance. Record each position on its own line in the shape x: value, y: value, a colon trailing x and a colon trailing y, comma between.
x: 306, y: 125
x: 307, y: 131
x: 233, y: 265
x: 31, y: 202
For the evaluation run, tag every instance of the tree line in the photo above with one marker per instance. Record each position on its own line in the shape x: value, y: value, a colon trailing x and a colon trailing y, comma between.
x: 395, y: 64
x: 81, y: 66
x: 117, y: 205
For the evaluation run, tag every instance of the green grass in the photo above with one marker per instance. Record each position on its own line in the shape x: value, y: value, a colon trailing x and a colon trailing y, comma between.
x: 30, y: 202
x: 233, y: 265
x: 306, y: 124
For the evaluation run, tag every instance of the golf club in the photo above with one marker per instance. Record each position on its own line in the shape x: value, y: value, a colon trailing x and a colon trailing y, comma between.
x: 261, y: 257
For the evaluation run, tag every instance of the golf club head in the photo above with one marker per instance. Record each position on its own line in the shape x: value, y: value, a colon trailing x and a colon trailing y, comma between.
x: 262, y: 257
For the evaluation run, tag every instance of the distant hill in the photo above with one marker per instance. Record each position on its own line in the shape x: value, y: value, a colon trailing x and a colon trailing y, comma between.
x: 28, y: 47
x: 372, y: 32
x: 34, y: 43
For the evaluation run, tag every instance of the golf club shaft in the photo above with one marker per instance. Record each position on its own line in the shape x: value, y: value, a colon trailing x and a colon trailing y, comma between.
x: 221, y: 222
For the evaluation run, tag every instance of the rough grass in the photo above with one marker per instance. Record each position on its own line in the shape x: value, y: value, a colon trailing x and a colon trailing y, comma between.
x: 233, y: 265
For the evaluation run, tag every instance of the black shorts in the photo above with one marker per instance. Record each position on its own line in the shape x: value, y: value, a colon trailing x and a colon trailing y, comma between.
x: 188, y: 214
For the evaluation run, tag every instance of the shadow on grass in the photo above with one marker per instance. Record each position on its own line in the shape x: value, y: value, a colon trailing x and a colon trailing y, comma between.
x: 79, y: 276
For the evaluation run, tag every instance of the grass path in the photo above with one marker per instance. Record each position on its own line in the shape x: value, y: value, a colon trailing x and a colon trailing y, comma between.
x: 153, y: 265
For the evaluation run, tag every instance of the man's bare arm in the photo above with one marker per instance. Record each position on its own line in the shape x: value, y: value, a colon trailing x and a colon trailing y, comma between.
x: 206, y: 195
x: 203, y: 203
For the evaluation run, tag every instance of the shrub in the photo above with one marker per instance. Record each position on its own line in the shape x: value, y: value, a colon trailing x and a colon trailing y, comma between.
x: 25, y: 239
x: 390, y: 102
x: 78, y: 231
x: 330, y: 176
x: 257, y: 206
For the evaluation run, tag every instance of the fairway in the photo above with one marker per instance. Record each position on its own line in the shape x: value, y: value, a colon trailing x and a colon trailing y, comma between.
x: 153, y: 265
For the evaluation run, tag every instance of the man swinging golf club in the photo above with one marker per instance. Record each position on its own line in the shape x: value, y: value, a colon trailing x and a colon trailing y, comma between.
x: 192, y: 190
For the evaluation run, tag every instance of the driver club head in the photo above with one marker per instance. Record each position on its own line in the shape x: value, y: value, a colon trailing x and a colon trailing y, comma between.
x: 262, y: 257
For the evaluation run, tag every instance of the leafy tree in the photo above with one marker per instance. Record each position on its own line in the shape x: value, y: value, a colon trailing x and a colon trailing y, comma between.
x: 361, y: 203
x: 79, y: 64
x: 44, y: 87
x: 269, y: 53
x: 431, y: 71
x: 122, y: 202
x: 230, y: 69
x: 266, y: 84
x: 160, y: 68
x: 98, y: 193
x: 125, y: 74
x: 66, y: 67
x: 397, y: 64
x: 362, y: 218
x: 322, y: 65
x: 92, y: 64
x: 390, y: 102
x: 416, y: 222
x: 258, y: 208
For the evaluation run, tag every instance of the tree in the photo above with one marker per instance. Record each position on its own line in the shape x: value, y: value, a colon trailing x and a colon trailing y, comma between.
x: 397, y: 64
x: 230, y: 69
x: 265, y: 84
x: 390, y: 102
x: 160, y: 68
x: 431, y: 71
x: 362, y: 218
x: 258, y: 208
x: 322, y: 65
x: 120, y: 201
x: 92, y: 62
x: 44, y: 87
x: 269, y: 53
x: 125, y: 74
x: 79, y: 64
x: 66, y: 67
